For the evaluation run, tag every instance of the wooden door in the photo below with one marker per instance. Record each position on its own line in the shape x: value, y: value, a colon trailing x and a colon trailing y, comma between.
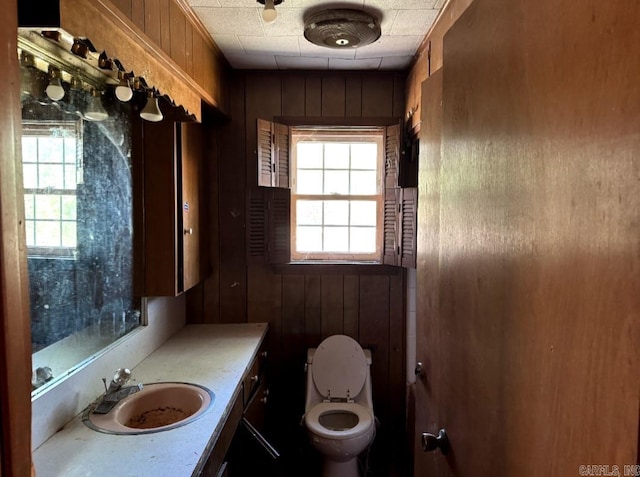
x: 529, y: 245
x: 193, y: 226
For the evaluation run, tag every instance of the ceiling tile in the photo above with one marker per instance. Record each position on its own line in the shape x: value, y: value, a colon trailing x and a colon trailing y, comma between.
x: 283, y: 45
x: 366, y: 64
x: 333, y: 4
x: 390, y: 46
x: 412, y: 22
x: 230, y: 21
x: 309, y: 49
x: 229, y: 44
x: 302, y: 63
x: 400, y: 4
x: 289, y: 23
x: 204, y: 3
x: 396, y: 62
x: 258, y: 62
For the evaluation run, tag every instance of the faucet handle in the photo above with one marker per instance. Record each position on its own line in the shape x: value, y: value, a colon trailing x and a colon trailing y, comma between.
x: 122, y: 376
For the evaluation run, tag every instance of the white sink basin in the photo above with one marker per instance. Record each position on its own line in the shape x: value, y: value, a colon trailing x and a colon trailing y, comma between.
x: 157, y: 407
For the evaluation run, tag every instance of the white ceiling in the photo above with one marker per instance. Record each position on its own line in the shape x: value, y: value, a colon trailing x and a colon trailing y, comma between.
x: 247, y: 42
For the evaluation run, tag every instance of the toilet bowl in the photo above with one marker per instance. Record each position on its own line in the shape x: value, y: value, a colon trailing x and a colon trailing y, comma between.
x: 339, y: 409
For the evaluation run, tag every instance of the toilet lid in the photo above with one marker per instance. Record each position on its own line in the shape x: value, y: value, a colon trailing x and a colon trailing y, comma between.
x: 339, y: 367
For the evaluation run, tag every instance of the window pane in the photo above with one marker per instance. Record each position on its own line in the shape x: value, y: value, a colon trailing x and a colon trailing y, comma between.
x: 363, y: 182
x: 309, y: 212
x: 30, y: 172
x: 51, y: 149
x: 70, y: 177
x: 30, y: 228
x: 69, y: 236
x: 336, y: 212
x: 363, y: 212
x: 336, y: 239
x: 308, y: 239
x: 47, y: 207
x: 309, y: 155
x: 336, y: 156
x: 29, y: 149
x: 309, y: 182
x: 70, y: 150
x: 364, y: 156
x: 68, y: 207
x: 47, y: 234
x: 363, y: 239
x: 51, y: 176
x: 336, y: 182
x: 29, y: 201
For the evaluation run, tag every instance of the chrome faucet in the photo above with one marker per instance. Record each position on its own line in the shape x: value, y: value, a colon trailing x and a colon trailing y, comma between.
x: 116, y: 392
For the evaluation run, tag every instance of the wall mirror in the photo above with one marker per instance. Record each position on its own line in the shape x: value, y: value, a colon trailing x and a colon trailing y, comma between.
x: 78, y: 195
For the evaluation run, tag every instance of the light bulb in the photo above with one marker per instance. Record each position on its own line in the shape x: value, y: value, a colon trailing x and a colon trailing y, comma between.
x: 95, y: 111
x: 54, y: 89
x: 269, y: 13
x: 151, y: 111
x: 123, y: 90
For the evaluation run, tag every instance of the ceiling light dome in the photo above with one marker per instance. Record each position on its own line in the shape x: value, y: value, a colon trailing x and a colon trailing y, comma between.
x: 342, y: 28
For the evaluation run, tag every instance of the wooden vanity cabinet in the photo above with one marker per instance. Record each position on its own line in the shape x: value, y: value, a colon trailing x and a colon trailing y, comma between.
x: 173, y: 226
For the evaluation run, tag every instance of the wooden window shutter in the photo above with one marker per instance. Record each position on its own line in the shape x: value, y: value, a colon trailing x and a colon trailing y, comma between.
x: 408, y: 229
x: 279, y: 245
x: 266, y: 166
x: 392, y: 156
x: 391, y: 229
x: 257, y: 225
x: 281, y: 134
x: 268, y: 225
x: 273, y: 154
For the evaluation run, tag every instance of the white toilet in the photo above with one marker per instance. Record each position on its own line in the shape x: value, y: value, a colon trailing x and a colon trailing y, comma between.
x: 339, y: 409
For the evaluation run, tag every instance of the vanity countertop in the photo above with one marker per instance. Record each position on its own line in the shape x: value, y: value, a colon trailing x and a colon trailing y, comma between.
x: 215, y: 356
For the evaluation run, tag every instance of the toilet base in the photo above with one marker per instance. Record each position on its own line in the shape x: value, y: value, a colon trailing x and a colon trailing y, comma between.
x: 332, y: 468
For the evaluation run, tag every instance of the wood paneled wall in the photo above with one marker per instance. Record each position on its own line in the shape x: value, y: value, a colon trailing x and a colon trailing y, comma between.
x: 303, y: 305
x: 429, y: 56
x: 15, y: 336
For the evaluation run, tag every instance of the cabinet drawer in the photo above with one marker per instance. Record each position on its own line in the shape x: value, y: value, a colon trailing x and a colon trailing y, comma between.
x: 255, y: 375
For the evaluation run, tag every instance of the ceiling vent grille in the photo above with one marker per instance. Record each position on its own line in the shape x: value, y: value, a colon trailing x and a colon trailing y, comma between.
x: 342, y: 28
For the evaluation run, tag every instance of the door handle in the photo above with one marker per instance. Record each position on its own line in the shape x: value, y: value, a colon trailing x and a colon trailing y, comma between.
x: 431, y: 442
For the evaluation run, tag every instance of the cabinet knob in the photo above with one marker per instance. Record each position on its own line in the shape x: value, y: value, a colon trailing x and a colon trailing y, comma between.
x: 254, y: 378
x: 263, y: 354
x: 188, y: 231
x: 263, y: 400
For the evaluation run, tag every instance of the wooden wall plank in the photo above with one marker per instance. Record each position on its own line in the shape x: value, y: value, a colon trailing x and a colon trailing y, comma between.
x: 293, y: 95
x: 189, y: 32
x: 353, y: 96
x: 313, y: 96
x: 293, y: 313
x: 312, y: 311
x: 152, y: 22
x: 198, y: 53
x: 376, y: 98
x: 124, y: 6
x: 333, y: 96
x: 331, y: 303
x: 178, y: 34
x: 397, y: 360
x: 351, y: 306
x: 399, y: 100
x: 137, y: 13
x: 165, y: 26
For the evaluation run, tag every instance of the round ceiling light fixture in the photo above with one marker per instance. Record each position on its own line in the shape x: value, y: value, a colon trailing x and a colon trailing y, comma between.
x: 342, y: 28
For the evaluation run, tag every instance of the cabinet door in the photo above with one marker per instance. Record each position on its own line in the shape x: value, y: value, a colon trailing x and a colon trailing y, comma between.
x: 193, y: 222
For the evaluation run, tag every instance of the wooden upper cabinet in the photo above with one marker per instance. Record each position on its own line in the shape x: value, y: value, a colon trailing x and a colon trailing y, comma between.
x: 173, y: 224
x: 273, y: 154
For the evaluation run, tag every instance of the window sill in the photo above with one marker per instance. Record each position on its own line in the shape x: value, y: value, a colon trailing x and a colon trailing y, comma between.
x: 335, y: 267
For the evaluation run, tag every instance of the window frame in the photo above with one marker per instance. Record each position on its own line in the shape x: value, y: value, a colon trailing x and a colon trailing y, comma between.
x: 36, y: 129
x: 350, y: 134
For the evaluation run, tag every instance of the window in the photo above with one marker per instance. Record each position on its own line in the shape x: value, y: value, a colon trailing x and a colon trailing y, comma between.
x: 336, y: 196
x: 332, y: 193
x: 51, y: 169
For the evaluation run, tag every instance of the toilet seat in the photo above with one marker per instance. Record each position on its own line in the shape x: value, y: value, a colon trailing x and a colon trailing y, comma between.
x: 339, y: 368
x: 365, y: 420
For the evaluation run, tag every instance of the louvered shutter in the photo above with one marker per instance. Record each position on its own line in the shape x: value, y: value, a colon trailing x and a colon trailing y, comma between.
x: 257, y: 225
x: 408, y: 229
x: 281, y: 134
x: 279, y: 245
x: 392, y: 156
x: 390, y: 234
x: 265, y: 154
